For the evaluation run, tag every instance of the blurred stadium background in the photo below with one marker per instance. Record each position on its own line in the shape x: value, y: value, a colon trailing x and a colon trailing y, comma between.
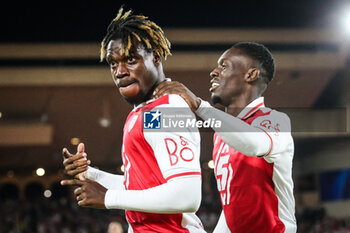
x: 55, y: 93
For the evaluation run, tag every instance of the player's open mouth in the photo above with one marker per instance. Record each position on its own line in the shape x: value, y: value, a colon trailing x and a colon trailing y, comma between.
x: 214, y: 85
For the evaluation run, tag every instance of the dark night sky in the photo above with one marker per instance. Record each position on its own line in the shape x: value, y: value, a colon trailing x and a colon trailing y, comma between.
x: 86, y: 21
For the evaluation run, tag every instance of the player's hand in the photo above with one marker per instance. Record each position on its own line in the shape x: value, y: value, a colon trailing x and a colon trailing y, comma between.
x: 177, y: 88
x: 88, y: 193
x: 76, y: 165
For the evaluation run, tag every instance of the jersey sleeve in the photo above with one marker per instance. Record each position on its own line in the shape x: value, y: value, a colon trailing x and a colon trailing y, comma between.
x: 106, y: 179
x: 236, y: 133
x: 176, y: 148
x: 277, y: 126
x: 163, y: 198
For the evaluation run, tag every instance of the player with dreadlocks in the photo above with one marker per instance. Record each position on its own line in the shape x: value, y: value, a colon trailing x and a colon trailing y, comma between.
x: 128, y: 27
x: 161, y: 186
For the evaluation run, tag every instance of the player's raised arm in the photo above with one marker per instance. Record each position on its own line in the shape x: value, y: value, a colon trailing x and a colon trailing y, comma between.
x: 243, y: 137
x: 177, y: 88
x: 239, y: 135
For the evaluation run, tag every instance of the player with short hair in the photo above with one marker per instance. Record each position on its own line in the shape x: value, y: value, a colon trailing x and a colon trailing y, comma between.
x: 161, y: 186
x: 253, y: 148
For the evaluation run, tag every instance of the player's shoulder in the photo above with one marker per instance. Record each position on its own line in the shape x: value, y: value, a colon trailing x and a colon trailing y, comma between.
x: 177, y: 101
x: 273, y: 118
x: 171, y: 100
x: 280, y: 116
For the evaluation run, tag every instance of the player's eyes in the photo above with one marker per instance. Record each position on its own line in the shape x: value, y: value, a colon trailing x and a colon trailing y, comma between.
x: 112, y: 63
x: 131, y: 59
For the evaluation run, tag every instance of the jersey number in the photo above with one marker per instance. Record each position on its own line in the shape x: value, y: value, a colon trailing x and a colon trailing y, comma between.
x: 224, y: 174
x: 127, y: 166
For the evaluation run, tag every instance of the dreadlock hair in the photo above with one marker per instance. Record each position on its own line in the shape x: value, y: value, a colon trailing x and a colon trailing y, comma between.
x: 130, y: 28
x: 261, y: 54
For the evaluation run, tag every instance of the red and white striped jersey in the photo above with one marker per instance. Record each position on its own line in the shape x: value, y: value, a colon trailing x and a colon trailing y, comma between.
x: 152, y: 159
x: 257, y: 192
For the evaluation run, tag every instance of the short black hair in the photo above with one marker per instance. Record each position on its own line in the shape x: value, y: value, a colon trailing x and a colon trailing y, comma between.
x: 261, y: 54
x: 130, y: 28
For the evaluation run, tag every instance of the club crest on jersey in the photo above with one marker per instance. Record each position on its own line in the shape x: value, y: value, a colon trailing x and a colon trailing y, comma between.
x: 152, y: 119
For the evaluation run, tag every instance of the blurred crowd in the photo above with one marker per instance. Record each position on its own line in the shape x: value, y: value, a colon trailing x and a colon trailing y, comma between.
x: 316, y: 220
x: 62, y: 215
x: 54, y: 216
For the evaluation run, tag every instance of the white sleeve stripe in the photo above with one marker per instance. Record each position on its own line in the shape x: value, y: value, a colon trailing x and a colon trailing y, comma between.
x: 183, y: 174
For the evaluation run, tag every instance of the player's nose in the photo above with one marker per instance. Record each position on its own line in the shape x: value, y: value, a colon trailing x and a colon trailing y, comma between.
x: 214, y: 73
x: 122, y: 71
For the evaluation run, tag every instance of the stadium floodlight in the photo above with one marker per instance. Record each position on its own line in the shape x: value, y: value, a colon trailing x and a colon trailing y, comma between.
x: 345, y: 20
x: 74, y: 141
x: 47, y: 193
x: 40, y: 171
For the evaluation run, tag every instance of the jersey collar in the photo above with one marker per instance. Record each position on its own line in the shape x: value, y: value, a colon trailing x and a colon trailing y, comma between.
x: 252, y: 108
x: 143, y: 104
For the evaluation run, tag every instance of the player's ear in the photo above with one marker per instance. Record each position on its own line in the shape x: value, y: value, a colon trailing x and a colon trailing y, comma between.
x: 252, y: 75
x: 156, y: 59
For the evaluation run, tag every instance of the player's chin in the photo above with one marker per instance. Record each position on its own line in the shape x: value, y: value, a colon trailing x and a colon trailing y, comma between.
x: 135, y: 99
x: 215, y: 99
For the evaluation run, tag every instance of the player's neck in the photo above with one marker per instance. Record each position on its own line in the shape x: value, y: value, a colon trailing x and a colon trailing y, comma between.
x: 240, y: 102
x: 149, y: 95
